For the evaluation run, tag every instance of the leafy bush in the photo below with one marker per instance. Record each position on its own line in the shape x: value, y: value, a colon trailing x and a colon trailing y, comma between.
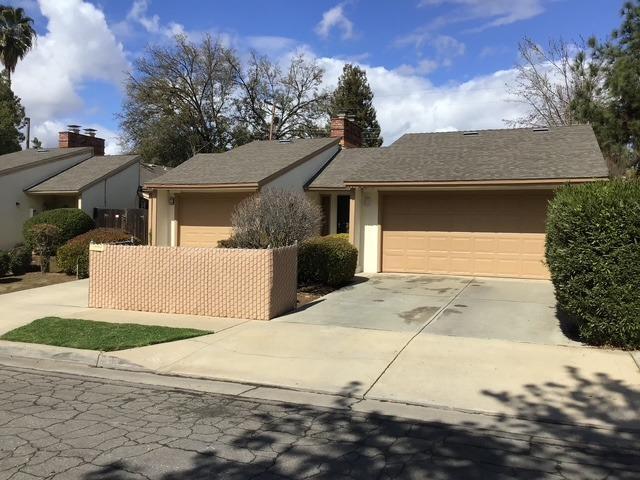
x: 228, y: 243
x: 4, y: 262
x: 70, y: 221
x: 45, y: 239
x: 19, y: 259
x: 73, y: 256
x: 327, y: 260
x: 274, y: 218
x: 593, y: 252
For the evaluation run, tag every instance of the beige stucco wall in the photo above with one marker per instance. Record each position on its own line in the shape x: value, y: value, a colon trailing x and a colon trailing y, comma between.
x: 16, y: 206
x: 296, y: 178
x: 218, y: 282
x: 117, y: 191
x: 370, y: 231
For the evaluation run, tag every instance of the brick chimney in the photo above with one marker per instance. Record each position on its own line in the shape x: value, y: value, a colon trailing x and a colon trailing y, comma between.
x: 73, y: 138
x: 344, y: 127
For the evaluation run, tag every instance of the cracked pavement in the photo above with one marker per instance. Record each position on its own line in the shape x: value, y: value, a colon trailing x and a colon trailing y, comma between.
x: 62, y: 426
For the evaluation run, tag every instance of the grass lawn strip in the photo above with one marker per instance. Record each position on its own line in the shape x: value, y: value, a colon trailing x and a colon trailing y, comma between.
x: 90, y: 335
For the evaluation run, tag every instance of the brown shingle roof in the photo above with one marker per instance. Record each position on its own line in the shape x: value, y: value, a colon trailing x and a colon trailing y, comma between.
x: 508, y: 154
x: 252, y: 163
x: 32, y: 157
x: 85, y: 174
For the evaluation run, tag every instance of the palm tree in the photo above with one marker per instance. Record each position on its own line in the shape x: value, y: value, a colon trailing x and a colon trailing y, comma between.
x: 16, y: 37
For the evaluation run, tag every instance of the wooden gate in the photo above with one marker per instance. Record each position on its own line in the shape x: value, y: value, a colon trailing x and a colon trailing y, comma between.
x: 131, y: 220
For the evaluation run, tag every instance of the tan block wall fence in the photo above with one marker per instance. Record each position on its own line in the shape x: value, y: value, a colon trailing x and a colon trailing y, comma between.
x: 217, y: 282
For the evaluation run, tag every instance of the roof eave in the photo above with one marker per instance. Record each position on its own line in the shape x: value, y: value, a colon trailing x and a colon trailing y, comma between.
x: 466, y: 183
x: 199, y: 186
x: 54, y: 192
x: 312, y: 188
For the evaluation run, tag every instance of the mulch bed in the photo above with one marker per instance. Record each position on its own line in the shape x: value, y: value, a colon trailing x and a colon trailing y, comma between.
x: 13, y: 283
x: 310, y: 293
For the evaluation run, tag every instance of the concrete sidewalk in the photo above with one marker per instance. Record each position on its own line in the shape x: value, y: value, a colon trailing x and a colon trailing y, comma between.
x: 63, y: 299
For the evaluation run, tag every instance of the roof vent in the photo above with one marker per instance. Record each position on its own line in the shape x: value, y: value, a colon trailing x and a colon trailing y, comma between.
x: 541, y: 129
x: 42, y: 150
x: 470, y: 133
x: 284, y: 140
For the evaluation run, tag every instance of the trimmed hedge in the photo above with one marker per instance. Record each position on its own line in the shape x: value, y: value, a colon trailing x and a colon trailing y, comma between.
x: 70, y: 221
x: 327, y: 260
x: 73, y: 257
x: 593, y: 253
x: 20, y: 259
x: 4, y: 262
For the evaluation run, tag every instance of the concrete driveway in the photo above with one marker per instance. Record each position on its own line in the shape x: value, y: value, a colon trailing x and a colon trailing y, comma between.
x: 503, y: 309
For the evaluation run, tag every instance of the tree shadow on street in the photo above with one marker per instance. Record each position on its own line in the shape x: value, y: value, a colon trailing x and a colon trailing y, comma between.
x: 279, y: 440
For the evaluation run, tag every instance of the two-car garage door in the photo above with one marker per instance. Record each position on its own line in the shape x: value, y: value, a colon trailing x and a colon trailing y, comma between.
x: 499, y: 234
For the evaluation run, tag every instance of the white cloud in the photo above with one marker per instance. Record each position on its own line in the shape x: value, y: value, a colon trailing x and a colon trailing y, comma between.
x: 77, y: 47
x: 424, y: 67
x: 500, y: 12
x: 151, y: 23
x: 269, y: 44
x: 443, y: 47
x: 406, y: 102
x: 335, y: 18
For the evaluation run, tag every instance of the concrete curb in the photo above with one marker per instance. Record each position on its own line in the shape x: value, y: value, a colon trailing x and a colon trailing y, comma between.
x: 91, y: 358
x: 48, y: 352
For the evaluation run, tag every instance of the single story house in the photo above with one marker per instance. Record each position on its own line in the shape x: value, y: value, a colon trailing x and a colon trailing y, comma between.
x: 459, y: 203
x: 75, y: 175
x: 191, y: 205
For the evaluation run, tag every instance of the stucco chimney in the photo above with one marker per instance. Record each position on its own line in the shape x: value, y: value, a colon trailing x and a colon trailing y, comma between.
x: 73, y: 138
x: 344, y: 127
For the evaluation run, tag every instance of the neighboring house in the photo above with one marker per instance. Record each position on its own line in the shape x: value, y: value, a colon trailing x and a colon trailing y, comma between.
x: 462, y: 203
x: 71, y: 176
x: 191, y: 205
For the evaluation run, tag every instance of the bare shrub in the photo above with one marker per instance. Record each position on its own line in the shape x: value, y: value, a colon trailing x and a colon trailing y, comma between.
x: 45, y: 238
x: 274, y: 218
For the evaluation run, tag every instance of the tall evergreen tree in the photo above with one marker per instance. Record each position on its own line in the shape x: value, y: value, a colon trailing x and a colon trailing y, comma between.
x: 610, y: 101
x: 11, y: 118
x: 354, y: 97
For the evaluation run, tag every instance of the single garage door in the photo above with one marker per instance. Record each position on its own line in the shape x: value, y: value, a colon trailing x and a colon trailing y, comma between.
x: 205, y: 218
x: 496, y: 234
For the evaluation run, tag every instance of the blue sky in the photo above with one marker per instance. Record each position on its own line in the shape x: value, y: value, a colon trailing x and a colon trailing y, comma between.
x: 433, y: 64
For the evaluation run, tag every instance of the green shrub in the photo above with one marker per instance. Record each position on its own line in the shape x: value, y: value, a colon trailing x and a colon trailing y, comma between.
x: 70, y: 221
x: 4, y: 262
x: 228, y: 243
x: 593, y: 253
x: 327, y: 261
x: 20, y: 259
x: 73, y: 256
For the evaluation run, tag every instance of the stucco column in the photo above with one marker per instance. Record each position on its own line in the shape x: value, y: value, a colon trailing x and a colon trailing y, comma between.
x: 333, y: 215
x: 371, y: 231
